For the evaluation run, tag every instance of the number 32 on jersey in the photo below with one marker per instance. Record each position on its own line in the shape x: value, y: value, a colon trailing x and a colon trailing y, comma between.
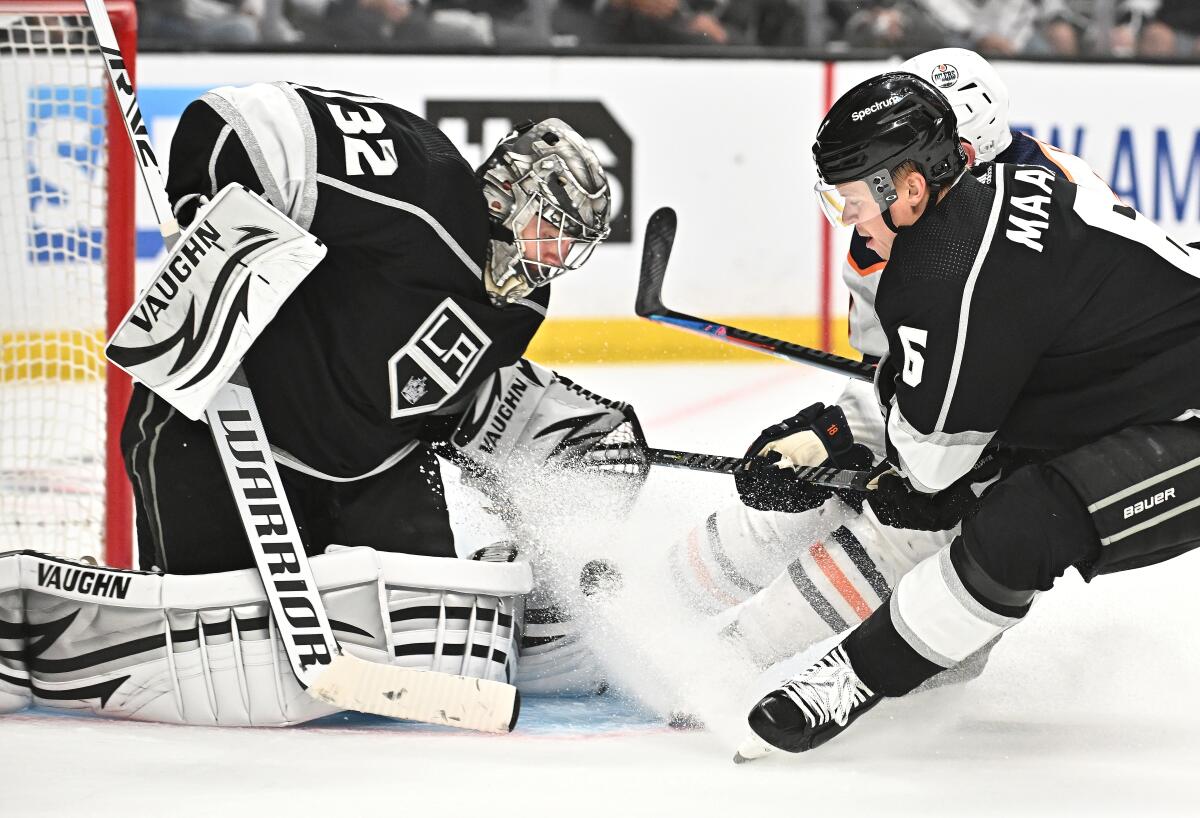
x: 379, y: 154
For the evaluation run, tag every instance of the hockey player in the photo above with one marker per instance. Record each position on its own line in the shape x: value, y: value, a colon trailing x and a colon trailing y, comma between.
x: 407, y: 335
x: 799, y: 564
x: 433, y: 285
x: 1021, y: 311
x: 980, y: 99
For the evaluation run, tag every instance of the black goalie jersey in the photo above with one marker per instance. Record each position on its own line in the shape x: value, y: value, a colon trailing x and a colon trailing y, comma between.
x: 1027, y: 310
x: 395, y: 323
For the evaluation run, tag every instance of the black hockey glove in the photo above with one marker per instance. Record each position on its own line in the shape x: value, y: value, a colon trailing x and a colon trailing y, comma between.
x: 898, y: 505
x: 816, y: 436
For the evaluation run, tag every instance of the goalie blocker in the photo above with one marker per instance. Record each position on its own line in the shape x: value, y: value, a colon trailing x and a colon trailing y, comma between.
x: 203, y: 650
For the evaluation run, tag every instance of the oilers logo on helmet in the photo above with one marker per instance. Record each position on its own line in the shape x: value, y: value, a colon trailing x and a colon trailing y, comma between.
x: 944, y: 75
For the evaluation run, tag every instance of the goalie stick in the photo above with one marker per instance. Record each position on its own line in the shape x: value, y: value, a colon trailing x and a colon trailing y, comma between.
x: 825, y: 476
x: 660, y: 236
x: 208, y: 379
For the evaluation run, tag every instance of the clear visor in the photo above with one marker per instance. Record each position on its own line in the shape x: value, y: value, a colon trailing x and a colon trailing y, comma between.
x: 851, y: 203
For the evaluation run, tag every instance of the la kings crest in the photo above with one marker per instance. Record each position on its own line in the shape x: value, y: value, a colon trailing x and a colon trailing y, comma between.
x: 436, y: 361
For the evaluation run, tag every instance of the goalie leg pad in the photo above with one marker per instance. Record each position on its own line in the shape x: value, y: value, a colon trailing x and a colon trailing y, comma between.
x: 203, y: 650
x: 555, y: 658
x: 14, y: 678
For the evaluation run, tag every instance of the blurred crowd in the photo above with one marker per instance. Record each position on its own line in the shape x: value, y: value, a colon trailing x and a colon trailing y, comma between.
x: 1121, y: 28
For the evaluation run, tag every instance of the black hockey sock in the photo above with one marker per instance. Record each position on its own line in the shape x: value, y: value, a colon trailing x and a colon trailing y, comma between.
x: 882, y: 659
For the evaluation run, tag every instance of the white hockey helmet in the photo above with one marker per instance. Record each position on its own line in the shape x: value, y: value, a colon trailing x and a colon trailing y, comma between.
x: 542, y: 172
x: 975, y: 91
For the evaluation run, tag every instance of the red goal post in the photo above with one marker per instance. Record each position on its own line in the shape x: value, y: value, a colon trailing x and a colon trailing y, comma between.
x: 67, y: 201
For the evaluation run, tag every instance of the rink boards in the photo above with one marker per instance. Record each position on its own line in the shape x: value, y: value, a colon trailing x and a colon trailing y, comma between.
x: 725, y: 142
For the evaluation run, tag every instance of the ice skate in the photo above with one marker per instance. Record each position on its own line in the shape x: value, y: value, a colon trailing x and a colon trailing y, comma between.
x: 811, y: 708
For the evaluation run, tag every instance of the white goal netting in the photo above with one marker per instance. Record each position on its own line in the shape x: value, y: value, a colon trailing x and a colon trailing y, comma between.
x: 54, y: 272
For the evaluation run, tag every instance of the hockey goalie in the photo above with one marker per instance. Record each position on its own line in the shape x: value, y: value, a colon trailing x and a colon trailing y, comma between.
x: 404, y: 340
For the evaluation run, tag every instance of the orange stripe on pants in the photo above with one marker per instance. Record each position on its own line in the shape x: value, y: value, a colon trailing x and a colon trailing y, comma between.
x: 701, y: 570
x: 839, y: 580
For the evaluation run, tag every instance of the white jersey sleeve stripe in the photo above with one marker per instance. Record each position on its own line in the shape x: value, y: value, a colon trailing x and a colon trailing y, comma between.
x: 218, y: 146
x: 308, y: 200
x: 266, y: 123
x: 933, y: 461
x: 183, y: 200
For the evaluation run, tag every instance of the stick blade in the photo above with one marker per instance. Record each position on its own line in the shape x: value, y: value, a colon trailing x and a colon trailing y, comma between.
x: 656, y: 251
x: 426, y: 696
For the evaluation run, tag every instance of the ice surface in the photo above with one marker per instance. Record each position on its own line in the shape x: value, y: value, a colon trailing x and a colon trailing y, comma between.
x: 1087, y: 708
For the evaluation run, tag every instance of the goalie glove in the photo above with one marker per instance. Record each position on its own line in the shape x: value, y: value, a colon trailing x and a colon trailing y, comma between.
x: 526, y: 416
x: 816, y: 436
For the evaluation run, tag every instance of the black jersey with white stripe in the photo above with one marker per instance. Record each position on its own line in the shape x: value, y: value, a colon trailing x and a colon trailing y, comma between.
x: 864, y: 266
x: 395, y: 323
x: 1027, y: 310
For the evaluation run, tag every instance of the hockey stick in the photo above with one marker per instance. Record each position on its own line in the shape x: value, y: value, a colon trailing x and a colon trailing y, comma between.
x: 205, y: 377
x: 135, y: 125
x: 660, y: 235
x: 825, y: 476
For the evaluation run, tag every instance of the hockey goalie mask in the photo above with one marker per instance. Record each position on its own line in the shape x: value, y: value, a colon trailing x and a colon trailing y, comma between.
x: 549, y: 201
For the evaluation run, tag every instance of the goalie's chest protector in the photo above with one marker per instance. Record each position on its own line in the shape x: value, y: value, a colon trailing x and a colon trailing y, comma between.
x: 395, y: 323
x: 1042, y: 313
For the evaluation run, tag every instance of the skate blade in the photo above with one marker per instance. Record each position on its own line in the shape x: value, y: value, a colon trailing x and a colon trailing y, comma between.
x: 751, y: 749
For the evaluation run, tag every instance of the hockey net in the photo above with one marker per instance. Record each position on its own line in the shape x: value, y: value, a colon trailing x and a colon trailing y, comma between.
x: 66, y: 278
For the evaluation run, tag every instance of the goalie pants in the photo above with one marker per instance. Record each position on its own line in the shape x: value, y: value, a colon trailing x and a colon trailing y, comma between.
x: 1127, y: 500
x: 188, y: 522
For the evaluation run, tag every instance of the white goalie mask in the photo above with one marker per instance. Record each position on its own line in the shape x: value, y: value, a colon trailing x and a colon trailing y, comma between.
x: 549, y: 201
x: 975, y: 91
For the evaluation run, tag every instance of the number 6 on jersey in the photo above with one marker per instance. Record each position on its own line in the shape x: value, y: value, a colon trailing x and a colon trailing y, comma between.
x: 913, y: 341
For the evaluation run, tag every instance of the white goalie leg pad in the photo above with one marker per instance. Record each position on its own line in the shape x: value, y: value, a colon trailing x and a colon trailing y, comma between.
x: 834, y: 582
x: 555, y: 656
x: 14, y: 678
x: 455, y: 616
x: 203, y: 649
x: 936, y: 615
x: 182, y: 649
